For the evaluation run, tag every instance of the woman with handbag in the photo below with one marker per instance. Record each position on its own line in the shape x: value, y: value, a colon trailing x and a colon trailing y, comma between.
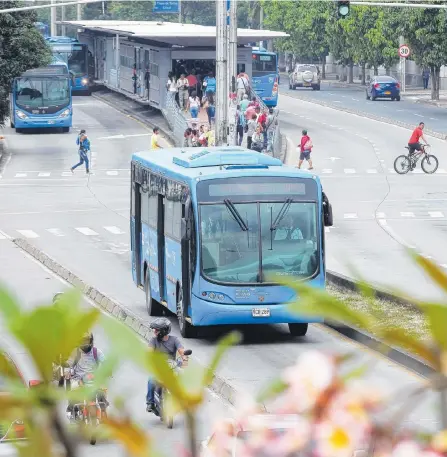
x: 305, y: 150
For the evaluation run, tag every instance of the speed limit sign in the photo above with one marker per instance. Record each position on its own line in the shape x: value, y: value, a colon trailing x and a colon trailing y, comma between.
x: 404, y: 50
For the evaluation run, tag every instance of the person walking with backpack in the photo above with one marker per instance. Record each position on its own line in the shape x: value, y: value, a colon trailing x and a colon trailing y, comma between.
x: 84, y: 148
x: 306, y: 146
x: 240, y: 125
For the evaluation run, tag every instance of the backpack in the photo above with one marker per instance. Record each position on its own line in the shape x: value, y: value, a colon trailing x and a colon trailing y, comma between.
x: 78, y: 356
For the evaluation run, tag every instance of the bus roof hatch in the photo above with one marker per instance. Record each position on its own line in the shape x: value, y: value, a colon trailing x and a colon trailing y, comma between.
x: 225, y: 156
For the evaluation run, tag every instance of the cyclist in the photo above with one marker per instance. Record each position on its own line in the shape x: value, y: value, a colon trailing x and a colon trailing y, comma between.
x: 162, y: 342
x: 84, y: 362
x: 414, y: 141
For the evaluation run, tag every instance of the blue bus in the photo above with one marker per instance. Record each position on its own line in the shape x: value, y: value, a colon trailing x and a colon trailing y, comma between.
x: 41, y: 98
x: 265, y: 75
x: 212, y: 227
x: 76, y: 56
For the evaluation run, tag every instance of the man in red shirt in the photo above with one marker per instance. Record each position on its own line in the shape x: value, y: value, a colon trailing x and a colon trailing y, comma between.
x: 414, y: 141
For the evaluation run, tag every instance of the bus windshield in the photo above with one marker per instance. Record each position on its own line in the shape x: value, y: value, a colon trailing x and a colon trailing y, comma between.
x: 274, y: 239
x: 40, y: 92
x: 75, y: 56
x: 263, y: 64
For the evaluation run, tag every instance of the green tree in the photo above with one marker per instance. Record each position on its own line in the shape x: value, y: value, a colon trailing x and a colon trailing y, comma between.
x: 21, y: 47
x: 425, y: 32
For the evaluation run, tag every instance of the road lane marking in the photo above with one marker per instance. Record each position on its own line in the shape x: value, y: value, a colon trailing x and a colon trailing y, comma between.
x: 86, y: 231
x: 28, y: 233
x: 20, y: 175
x: 393, y: 234
x: 326, y: 170
x: 112, y: 173
x: 433, y: 119
x: 55, y: 231
x: 44, y: 175
x: 326, y: 229
x: 407, y: 214
x: 67, y: 173
x: 372, y: 170
x: 436, y: 214
x: 441, y: 170
x: 418, y: 115
x: 114, y: 230
x: 349, y: 170
x: 380, y: 215
x: 350, y: 215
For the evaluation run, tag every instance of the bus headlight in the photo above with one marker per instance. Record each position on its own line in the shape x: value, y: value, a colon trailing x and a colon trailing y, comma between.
x: 21, y: 114
x: 84, y: 81
x: 65, y: 113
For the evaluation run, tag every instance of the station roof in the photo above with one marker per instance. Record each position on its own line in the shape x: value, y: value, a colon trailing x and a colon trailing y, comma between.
x: 187, y: 35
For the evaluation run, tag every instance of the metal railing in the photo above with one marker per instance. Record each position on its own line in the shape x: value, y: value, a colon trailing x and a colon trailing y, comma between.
x: 175, y: 118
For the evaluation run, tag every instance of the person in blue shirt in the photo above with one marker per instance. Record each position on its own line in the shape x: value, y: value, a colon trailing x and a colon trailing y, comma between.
x: 84, y: 148
x: 209, y: 84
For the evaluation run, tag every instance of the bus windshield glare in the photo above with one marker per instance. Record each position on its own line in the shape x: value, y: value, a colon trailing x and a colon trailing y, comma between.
x: 260, y: 239
x: 263, y: 63
x: 39, y: 92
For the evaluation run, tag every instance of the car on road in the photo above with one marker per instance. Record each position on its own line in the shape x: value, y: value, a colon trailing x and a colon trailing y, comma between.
x: 276, y: 424
x: 305, y: 75
x: 383, y: 87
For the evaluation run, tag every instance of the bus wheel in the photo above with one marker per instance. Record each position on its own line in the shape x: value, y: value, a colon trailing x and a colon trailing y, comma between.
x: 186, y: 329
x: 153, y: 308
x: 65, y: 129
x: 298, y: 329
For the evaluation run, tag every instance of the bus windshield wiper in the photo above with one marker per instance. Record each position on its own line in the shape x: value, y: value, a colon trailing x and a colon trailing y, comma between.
x: 282, y: 212
x: 236, y: 215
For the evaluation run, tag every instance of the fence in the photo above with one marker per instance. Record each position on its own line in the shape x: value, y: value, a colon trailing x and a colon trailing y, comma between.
x: 175, y: 118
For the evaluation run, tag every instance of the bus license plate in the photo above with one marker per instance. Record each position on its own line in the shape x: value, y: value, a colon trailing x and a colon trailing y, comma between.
x: 260, y: 312
x: 387, y: 92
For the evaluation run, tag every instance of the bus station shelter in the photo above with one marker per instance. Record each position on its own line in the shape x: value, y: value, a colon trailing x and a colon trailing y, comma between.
x: 146, y: 51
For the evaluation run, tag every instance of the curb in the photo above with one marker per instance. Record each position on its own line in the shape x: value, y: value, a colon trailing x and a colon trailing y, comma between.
x: 168, y: 135
x: 441, y: 136
x: 115, y: 309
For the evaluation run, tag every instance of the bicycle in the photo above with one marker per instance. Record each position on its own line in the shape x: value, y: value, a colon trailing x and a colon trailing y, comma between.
x: 404, y: 163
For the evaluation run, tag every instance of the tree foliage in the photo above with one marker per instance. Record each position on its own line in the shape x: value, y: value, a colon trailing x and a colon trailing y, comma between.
x: 21, y: 48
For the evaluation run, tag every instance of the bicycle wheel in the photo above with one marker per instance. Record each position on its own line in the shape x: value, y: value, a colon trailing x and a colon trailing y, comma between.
x: 429, y: 164
x: 402, y: 164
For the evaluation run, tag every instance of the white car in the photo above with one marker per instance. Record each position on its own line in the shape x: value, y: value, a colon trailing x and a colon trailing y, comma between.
x: 276, y: 423
x: 305, y: 75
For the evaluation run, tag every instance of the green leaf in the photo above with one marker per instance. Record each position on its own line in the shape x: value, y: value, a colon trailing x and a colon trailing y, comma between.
x: 355, y: 373
x: 7, y: 368
x: 433, y: 270
x: 437, y: 317
x: 275, y: 388
x: 8, y: 306
x: 224, y: 344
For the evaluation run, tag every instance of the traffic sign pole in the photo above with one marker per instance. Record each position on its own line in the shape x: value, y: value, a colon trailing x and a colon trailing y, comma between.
x: 404, y: 53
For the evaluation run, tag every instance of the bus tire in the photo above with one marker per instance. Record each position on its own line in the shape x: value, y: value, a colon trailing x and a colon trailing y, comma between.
x: 153, y: 308
x: 65, y: 129
x: 186, y: 329
x: 298, y: 329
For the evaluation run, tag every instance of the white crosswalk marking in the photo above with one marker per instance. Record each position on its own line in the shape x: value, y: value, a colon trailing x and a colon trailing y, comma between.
x: 407, y: 214
x: 441, y: 170
x: 112, y: 173
x: 67, y: 173
x: 380, y: 215
x: 371, y: 171
x: 55, y: 231
x: 436, y: 214
x: 349, y: 170
x: 326, y: 229
x: 44, y: 175
x: 28, y: 233
x: 21, y: 175
x: 114, y: 230
x: 350, y: 215
x: 327, y: 170
x: 86, y: 231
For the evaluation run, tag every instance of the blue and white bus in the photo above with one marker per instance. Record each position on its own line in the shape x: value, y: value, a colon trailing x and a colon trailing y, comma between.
x: 76, y: 56
x: 212, y: 228
x: 265, y: 75
x: 41, y: 98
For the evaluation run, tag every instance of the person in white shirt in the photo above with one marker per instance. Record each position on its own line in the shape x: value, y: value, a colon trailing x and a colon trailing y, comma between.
x: 182, y: 86
x: 194, y: 105
x: 242, y: 86
x: 171, y: 86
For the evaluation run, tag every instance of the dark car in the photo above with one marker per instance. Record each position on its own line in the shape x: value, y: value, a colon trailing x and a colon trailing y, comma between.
x: 383, y: 87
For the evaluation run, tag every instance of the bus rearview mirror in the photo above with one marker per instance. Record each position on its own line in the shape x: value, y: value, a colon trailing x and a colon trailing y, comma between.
x: 328, y: 217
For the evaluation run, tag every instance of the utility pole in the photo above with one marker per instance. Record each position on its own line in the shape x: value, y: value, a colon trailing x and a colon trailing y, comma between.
x: 221, y: 73
x: 232, y: 70
x: 53, y: 29
x: 79, y: 12
x: 64, y: 27
x: 180, y: 11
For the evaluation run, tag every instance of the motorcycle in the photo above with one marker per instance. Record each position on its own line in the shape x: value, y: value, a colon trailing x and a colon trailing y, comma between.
x: 160, y: 392
x: 91, y: 412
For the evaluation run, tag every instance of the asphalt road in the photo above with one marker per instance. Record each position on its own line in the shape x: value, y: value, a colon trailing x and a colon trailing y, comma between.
x: 355, y: 99
x: 377, y: 213
x: 33, y: 284
x: 83, y: 224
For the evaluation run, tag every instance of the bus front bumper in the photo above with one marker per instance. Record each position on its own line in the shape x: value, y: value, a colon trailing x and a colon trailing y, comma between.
x: 46, y: 122
x: 209, y: 313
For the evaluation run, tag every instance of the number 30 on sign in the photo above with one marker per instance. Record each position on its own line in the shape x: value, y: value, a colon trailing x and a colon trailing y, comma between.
x: 404, y: 51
